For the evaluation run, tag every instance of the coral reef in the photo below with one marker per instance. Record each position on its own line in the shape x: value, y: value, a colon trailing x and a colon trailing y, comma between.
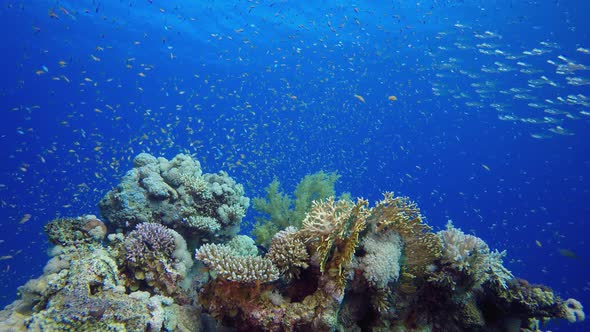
x: 378, y: 268
x: 81, y: 290
x: 69, y: 231
x: 177, y: 194
x: 343, y: 266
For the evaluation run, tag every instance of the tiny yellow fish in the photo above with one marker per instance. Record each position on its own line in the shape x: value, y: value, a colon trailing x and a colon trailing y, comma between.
x: 485, y: 167
x: 392, y: 98
x: 538, y: 243
x: 25, y: 218
x: 359, y: 98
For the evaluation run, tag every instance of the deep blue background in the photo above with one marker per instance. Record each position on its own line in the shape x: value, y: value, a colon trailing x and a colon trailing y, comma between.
x: 263, y: 89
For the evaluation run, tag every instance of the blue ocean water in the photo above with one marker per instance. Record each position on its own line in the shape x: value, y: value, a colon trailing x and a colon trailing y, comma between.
x: 479, y: 111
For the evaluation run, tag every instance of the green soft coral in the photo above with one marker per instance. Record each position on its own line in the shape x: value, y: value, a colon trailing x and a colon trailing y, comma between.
x: 279, y: 210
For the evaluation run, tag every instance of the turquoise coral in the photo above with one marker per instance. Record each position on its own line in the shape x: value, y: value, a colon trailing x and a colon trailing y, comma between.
x: 177, y: 194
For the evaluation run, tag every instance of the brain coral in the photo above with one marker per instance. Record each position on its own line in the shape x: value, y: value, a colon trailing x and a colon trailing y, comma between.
x: 177, y: 194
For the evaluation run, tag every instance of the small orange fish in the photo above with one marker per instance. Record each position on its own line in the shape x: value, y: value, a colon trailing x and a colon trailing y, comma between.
x: 359, y: 98
x: 52, y: 14
x: 392, y: 98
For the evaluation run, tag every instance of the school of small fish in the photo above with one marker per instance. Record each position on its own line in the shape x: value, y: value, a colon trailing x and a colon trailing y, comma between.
x: 239, y: 89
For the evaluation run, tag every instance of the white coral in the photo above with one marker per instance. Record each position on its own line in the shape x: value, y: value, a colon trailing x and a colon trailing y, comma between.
x: 471, y: 255
x: 574, y: 311
x: 381, y: 263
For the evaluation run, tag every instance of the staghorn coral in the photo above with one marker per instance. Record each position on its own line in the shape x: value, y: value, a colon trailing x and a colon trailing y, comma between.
x: 288, y: 253
x: 175, y: 193
x: 229, y: 265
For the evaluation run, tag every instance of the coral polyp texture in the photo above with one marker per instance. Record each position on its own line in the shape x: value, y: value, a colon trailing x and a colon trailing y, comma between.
x: 345, y: 266
x: 177, y: 194
x: 231, y: 266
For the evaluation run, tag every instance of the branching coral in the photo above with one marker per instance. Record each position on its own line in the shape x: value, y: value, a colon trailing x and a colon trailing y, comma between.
x: 157, y: 255
x: 471, y: 256
x: 229, y: 265
x: 147, y: 243
x: 288, y: 253
x: 332, y: 229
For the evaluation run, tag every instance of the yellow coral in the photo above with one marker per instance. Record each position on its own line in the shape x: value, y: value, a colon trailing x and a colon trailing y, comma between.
x: 403, y: 216
x: 333, y: 230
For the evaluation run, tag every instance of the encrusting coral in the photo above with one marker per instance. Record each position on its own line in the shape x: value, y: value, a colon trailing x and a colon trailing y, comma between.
x: 70, y: 231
